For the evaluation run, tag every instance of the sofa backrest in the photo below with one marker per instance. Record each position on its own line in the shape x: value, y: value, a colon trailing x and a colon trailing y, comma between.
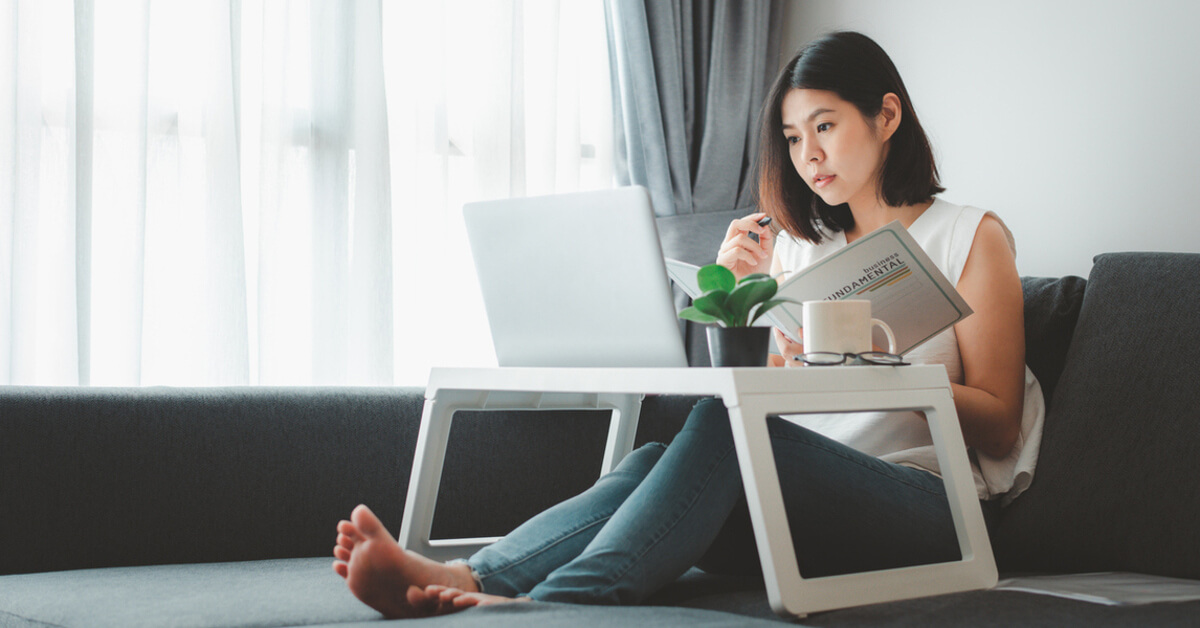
x: 1051, y: 310
x: 695, y: 239
x: 1116, y: 483
x: 102, y: 477
x: 107, y: 477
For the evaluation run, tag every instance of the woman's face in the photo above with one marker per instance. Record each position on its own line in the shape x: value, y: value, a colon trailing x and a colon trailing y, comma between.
x: 833, y: 147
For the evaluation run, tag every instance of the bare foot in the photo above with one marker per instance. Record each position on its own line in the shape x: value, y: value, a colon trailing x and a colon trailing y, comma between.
x: 387, y: 577
x: 450, y: 599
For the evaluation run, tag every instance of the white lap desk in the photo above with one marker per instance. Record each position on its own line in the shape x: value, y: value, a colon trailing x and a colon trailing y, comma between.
x: 750, y: 394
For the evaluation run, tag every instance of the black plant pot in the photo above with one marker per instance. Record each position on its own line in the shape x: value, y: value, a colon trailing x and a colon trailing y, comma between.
x: 739, y: 346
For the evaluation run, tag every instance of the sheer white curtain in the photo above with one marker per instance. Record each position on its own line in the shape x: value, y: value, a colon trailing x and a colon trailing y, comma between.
x: 269, y: 192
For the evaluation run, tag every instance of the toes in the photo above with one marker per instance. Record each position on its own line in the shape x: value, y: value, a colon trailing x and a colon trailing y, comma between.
x: 439, y: 599
x: 446, y: 599
x: 341, y: 554
x: 348, y: 529
x: 368, y: 524
x: 421, y: 603
x: 341, y: 568
x: 467, y: 600
x: 346, y: 541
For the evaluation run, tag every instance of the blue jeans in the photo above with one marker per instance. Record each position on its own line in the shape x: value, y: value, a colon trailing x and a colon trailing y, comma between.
x: 666, y: 509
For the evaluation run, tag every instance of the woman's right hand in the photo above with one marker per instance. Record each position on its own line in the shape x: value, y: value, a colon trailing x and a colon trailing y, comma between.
x: 740, y: 253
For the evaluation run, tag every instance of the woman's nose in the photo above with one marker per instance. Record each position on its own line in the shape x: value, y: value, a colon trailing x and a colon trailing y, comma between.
x: 810, y: 152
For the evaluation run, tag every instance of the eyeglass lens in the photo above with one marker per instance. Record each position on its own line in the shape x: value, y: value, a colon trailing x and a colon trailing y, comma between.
x: 829, y: 358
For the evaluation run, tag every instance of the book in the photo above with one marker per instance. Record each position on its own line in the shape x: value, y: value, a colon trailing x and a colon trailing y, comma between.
x: 886, y: 267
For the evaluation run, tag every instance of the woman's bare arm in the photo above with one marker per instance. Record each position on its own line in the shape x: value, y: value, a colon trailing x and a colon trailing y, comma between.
x: 992, y: 344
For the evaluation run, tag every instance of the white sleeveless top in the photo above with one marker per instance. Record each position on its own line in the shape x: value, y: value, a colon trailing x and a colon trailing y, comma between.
x: 946, y: 232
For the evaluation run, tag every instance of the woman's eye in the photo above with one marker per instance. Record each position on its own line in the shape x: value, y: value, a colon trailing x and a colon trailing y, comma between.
x: 792, y: 140
x: 824, y: 126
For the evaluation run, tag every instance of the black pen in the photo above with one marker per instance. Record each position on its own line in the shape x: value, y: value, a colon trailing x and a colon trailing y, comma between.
x: 762, y: 223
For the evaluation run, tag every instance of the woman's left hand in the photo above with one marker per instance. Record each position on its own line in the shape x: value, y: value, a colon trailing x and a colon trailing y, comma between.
x: 788, y: 348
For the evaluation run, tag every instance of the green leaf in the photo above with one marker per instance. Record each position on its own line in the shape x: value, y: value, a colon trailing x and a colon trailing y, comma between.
x: 756, y: 277
x: 692, y: 314
x: 713, y: 304
x: 716, y: 277
x: 750, y: 292
x: 767, y: 305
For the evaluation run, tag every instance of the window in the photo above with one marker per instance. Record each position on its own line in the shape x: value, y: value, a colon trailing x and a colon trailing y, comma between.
x: 271, y: 194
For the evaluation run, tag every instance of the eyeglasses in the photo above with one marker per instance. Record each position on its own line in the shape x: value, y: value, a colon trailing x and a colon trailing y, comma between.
x: 829, y: 358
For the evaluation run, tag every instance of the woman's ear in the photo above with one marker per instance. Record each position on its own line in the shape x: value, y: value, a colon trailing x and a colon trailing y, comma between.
x: 888, y: 119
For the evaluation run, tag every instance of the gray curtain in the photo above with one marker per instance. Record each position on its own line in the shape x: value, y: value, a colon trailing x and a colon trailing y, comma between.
x: 689, y: 77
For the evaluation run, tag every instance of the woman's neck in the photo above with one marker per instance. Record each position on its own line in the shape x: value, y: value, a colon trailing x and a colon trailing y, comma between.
x: 878, y: 214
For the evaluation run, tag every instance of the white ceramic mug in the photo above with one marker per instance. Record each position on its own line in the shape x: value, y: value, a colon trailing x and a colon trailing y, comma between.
x: 842, y: 327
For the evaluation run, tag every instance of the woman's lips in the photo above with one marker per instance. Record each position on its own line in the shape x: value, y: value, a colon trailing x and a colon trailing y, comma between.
x: 823, y: 180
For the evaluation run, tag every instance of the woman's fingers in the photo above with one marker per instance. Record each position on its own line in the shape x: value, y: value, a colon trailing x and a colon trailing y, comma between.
x: 743, y: 254
x: 742, y: 227
x: 734, y: 252
x: 788, y: 348
x: 759, y: 249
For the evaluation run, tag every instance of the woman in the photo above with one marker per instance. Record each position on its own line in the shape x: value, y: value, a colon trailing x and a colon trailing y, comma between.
x: 841, y: 154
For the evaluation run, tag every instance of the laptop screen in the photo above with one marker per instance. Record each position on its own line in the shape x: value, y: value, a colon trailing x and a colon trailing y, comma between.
x: 575, y: 280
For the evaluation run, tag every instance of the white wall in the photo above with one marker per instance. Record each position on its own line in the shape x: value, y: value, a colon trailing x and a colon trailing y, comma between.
x: 1078, y: 122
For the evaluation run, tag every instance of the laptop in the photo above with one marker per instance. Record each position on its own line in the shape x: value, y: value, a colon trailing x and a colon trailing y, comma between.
x: 575, y: 280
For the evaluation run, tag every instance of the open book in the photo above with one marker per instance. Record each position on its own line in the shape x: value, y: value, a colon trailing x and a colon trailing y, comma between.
x: 886, y: 267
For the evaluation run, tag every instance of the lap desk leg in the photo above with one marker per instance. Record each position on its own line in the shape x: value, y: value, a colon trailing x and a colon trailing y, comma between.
x: 434, y: 435
x: 791, y: 594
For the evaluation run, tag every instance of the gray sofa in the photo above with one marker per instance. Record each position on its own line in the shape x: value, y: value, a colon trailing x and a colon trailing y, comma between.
x: 216, y: 507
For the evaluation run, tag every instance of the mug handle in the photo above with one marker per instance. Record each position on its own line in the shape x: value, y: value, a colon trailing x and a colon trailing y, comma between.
x: 887, y: 331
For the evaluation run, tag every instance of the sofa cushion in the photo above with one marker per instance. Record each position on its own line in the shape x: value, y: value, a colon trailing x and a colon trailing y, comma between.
x: 258, y: 593
x: 1051, y: 309
x: 306, y: 592
x: 1008, y: 609
x: 293, y: 592
x: 1115, y: 488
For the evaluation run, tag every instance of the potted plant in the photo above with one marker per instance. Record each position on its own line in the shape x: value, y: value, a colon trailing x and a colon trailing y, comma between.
x: 730, y: 307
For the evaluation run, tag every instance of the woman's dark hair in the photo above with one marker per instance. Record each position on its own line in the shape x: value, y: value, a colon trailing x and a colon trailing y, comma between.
x: 855, y: 68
